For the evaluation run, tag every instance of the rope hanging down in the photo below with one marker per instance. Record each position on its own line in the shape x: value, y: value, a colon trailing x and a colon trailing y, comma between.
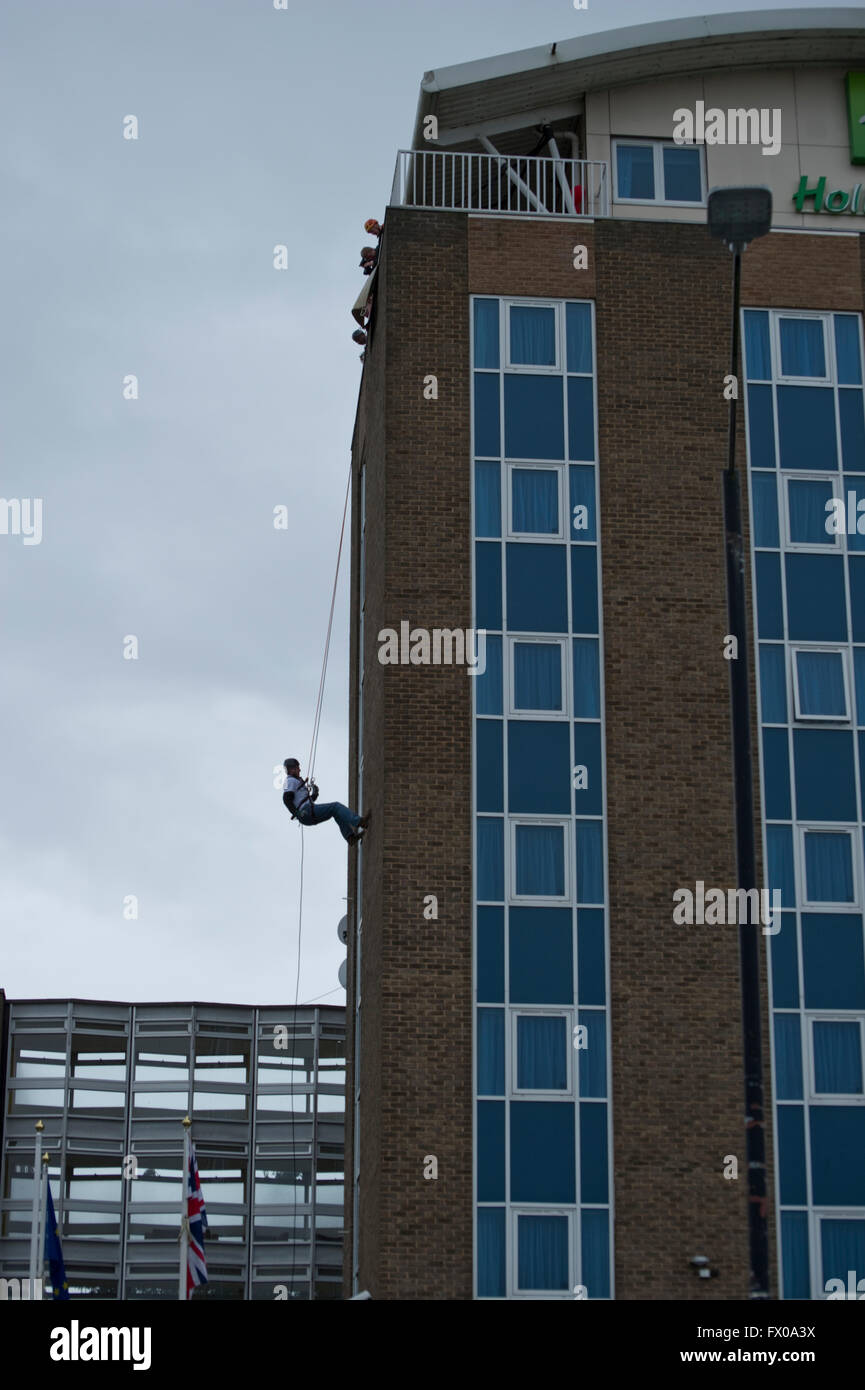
x: 318, y: 704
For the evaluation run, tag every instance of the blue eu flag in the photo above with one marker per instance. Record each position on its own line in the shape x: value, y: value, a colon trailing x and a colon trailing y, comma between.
x: 54, y: 1252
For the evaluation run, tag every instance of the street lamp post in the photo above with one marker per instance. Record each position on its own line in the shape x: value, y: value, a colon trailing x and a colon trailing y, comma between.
x: 738, y: 216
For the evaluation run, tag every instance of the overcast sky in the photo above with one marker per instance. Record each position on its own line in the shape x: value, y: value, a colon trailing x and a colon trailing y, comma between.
x: 154, y: 777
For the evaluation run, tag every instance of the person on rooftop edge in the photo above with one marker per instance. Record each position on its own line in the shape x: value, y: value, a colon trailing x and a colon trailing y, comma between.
x: 299, y: 798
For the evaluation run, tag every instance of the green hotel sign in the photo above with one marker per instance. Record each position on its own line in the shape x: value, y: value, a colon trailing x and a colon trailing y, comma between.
x: 814, y: 197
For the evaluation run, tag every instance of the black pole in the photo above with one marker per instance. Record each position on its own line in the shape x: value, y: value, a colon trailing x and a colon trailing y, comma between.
x: 749, y: 934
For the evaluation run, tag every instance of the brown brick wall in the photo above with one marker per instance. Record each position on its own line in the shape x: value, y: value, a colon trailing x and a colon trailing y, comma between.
x: 662, y: 295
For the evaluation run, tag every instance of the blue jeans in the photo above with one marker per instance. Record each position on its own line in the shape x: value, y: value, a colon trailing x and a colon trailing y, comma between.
x: 346, y: 819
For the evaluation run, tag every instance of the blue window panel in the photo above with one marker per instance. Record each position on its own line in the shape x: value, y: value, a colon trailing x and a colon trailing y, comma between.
x: 776, y: 775
x: 491, y: 1252
x: 491, y: 1052
x: 837, y: 1058
x: 825, y: 784
x: 538, y: 676
x: 578, y: 320
x: 594, y: 1182
x: 808, y: 515
x: 491, y: 859
x: 837, y: 1146
x: 535, y: 501
x: 591, y: 974
x: 543, y: 1260
x: 764, y: 487
x: 635, y: 171
x: 491, y: 955
x: 806, y: 427
x: 537, y: 589
x: 785, y: 964
x: 832, y: 958
x: 788, y: 1057
x: 486, y: 333
x: 816, y: 608
x: 590, y: 861
x: 589, y: 799
x: 859, y: 668
x: 487, y: 432
x: 584, y: 525
x: 773, y: 684
x: 802, y: 349
x: 488, y: 499
x: 542, y: 1151
x: 852, y: 430
x: 488, y: 585
x: 856, y: 566
x: 761, y: 427
x: 538, y: 767
x: 593, y: 1058
x: 542, y: 1053
x: 595, y: 1245
x: 821, y: 684
x: 682, y: 176
x: 829, y: 867
x: 842, y: 1245
x: 490, y: 765
x: 581, y: 418
x: 541, y: 955
x: 587, y: 678
x: 488, y: 686
x: 584, y: 588
x: 794, y: 1254
x: 757, y: 352
x: 847, y: 349
x: 491, y: 1150
x: 533, y: 335
x: 779, y: 852
x: 790, y: 1137
x: 534, y: 417
x: 770, y: 613
x: 540, y: 861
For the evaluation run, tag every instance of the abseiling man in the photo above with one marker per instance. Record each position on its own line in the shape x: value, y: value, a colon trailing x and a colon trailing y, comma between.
x: 300, y: 797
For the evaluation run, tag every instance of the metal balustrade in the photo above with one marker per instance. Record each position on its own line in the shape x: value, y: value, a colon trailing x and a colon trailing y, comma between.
x: 449, y: 181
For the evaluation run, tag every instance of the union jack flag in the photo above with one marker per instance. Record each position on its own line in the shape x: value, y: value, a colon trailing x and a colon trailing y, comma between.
x: 196, y: 1217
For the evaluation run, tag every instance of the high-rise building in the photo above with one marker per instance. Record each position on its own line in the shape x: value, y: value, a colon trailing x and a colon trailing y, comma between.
x: 265, y: 1090
x: 545, y: 1064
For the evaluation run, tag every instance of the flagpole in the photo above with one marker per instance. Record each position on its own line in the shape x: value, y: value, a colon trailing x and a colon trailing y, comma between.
x: 184, y: 1217
x: 43, y: 1206
x: 34, y: 1214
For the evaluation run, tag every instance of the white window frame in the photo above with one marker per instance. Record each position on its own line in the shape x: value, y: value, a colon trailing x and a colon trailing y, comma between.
x: 824, y: 828
x: 540, y: 900
x: 542, y: 1209
x: 658, y: 146
x: 836, y: 1097
x: 542, y: 466
x: 833, y: 541
x: 829, y: 649
x: 517, y: 1092
x: 818, y: 1215
x: 829, y: 379
x: 539, y: 640
x: 535, y: 368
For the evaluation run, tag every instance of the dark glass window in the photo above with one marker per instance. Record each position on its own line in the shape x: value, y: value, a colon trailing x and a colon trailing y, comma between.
x: 816, y: 608
x: 581, y: 418
x: 594, y: 1185
x: 764, y: 489
x: 847, y: 349
x: 785, y: 968
x: 538, y: 766
x: 770, y: 619
x: 487, y: 437
x: 491, y: 861
x: 757, y: 351
x: 788, y: 1057
x: 791, y: 1154
x: 776, y: 774
x: 534, y: 417
x: 542, y: 1151
x: 761, y: 427
x: 578, y: 318
x: 491, y: 955
x: 833, y: 960
x: 491, y: 1252
x: 488, y: 585
x: 490, y: 765
x: 635, y: 171
x: 590, y: 955
x: 541, y: 957
x: 537, y: 591
x: 682, y: 180
x: 837, y: 1145
x: 588, y: 800
x: 825, y: 783
x: 582, y: 483
x: 584, y: 589
x: 488, y: 503
x: 491, y: 1150
x: 852, y: 429
x: 806, y: 427
x: 533, y: 335
x: 486, y: 333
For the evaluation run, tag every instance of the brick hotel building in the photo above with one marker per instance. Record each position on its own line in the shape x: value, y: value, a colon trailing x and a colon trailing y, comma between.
x: 559, y: 486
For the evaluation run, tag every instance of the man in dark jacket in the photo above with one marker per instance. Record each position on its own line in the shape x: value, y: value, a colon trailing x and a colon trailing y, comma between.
x: 299, y: 798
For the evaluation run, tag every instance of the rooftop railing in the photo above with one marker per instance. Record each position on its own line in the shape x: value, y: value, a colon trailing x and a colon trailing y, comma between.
x: 449, y: 181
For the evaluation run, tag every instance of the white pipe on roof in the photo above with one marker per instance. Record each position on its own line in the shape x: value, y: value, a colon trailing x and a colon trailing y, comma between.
x: 513, y: 175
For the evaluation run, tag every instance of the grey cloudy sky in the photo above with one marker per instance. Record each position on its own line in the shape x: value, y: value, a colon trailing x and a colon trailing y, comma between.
x: 154, y: 257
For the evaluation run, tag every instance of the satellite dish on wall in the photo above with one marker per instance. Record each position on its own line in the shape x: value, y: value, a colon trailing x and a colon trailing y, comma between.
x: 343, y: 973
x: 342, y: 929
